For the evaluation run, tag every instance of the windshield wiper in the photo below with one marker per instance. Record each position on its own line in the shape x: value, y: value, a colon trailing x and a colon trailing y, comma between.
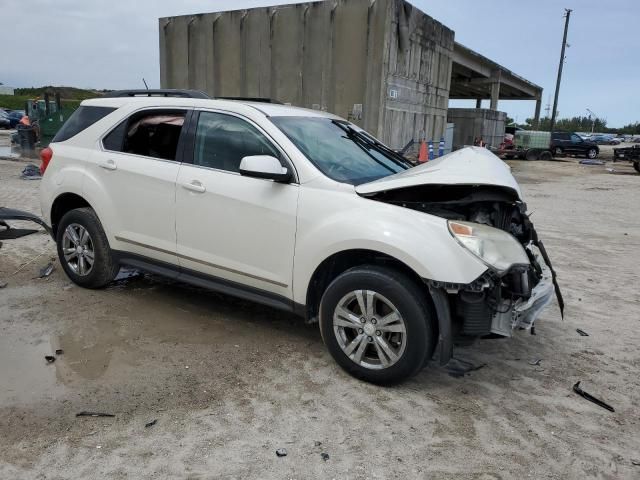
x: 369, y: 140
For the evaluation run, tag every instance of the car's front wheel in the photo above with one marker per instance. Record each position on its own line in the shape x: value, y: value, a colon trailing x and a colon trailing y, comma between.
x: 377, y: 324
x: 592, y: 153
x: 83, y: 249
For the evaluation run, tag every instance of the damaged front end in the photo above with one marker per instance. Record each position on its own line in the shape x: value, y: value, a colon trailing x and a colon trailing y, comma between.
x: 508, y: 295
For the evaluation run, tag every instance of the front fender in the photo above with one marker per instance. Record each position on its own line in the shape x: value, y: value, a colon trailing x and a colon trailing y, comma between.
x: 350, y: 222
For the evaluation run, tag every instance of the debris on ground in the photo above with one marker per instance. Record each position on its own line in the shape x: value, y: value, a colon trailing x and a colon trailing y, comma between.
x: 591, y: 398
x: 10, y: 233
x: 50, y: 358
x: 317, y: 443
x: 582, y: 332
x: 59, y: 351
x: 324, y: 456
x: 3, y: 285
x: 458, y: 368
x: 31, y: 172
x: 94, y: 414
x: 281, y: 452
x: 535, y: 361
x: 636, y: 463
x: 591, y: 162
x: 45, y: 271
x: 151, y: 423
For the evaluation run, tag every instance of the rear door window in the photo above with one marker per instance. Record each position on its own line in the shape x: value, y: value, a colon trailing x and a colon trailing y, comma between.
x: 151, y: 133
x: 81, y: 119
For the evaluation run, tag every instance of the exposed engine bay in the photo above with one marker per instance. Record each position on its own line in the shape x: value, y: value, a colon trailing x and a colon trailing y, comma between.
x: 494, y: 304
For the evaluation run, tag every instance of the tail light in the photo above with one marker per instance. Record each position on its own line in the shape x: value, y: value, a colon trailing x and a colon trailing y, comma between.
x: 45, y: 155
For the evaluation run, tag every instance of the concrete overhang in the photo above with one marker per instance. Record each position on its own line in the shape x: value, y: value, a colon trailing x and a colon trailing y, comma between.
x: 473, y: 76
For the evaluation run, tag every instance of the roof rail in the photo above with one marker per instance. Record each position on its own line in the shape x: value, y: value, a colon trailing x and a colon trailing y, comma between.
x: 157, y: 93
x: 251, y: 99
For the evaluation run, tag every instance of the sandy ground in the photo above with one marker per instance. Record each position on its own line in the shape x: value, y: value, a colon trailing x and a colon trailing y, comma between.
x: 230, y: 382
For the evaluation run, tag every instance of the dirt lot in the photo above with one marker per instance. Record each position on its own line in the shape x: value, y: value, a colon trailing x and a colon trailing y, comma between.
x: 230, y: 382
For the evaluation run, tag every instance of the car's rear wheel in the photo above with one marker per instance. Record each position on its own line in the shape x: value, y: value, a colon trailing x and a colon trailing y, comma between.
x: 83, y: 249
x: 377, y: 325
x: 592, y: 153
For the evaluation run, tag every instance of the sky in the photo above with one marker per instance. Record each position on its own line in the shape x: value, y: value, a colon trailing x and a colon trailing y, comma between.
x: 113, y: 44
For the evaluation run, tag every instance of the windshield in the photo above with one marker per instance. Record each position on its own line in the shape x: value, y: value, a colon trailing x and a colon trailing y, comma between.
x: 340, y: 151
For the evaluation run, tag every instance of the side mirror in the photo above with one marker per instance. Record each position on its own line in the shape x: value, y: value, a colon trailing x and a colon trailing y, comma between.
x: 264, y: 166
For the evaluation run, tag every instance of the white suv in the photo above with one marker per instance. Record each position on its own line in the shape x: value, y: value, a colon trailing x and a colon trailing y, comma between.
x: 299, y: 210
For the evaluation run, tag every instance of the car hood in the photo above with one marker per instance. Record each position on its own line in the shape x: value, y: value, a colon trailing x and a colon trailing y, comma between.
x: 468, y: 166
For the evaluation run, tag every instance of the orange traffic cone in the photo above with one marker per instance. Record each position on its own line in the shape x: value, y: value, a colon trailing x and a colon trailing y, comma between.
x: 422, y: 156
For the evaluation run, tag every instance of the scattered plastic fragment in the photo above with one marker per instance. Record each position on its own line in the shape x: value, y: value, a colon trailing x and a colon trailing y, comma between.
x: 591, y: 398
x: 535, y: 361
x: 324, y: 456
x: 3, y: 285
x: 46, y: 271
x: 281, y: 452
x: 151, y: 423
x: 636, y: 463
x: 582, y: 332
x: 94, y: 414
x: 591, y: 162
x: 50, y: 358
x: 59, y: 351
x: 317, y: 443
x: 31, y: 172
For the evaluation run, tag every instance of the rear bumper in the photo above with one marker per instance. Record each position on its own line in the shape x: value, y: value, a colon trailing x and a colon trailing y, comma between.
x: 13, y: 214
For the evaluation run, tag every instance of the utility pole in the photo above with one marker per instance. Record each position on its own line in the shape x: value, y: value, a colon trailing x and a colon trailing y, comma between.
x: 564, y: 45
x: 593, y: 122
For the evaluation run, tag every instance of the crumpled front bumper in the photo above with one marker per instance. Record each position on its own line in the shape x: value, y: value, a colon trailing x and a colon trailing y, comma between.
x: 523, y: 313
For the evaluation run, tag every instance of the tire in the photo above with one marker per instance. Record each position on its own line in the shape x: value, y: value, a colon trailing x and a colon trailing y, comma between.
x: 531, y: 155
x: 71, y: 236
x: 395, y: 293
x: 592, y: 153
x: 636, y: 165
x: 557, y: 151
x: 546, y: 155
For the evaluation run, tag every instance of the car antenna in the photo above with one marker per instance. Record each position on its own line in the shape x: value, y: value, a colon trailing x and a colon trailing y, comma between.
x: 145, y: 83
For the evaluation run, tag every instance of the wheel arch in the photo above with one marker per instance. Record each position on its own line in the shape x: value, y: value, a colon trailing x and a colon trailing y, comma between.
x: 64, y: 203
x: 339, y: 262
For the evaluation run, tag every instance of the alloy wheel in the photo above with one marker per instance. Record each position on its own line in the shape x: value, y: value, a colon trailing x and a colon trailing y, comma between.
x: 77, y: 247
x: 369, y: 329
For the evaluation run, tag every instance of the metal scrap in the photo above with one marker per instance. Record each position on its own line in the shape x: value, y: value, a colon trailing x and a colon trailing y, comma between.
x: 582, y: 332
x: 46, y: 271
x: 151, y: 423
x: 94, y: 414
x: 591, y: 398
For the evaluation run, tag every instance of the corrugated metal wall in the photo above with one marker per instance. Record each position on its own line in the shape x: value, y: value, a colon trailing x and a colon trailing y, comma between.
x: 342, y: 56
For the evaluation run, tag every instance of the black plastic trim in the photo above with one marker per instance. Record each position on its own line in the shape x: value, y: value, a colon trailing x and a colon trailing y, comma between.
x: 209, y: 282
x: 167, y: 92
x: 445, y: 337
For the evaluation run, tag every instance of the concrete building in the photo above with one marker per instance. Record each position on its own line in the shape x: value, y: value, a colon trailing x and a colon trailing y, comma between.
x: 6, y: 90
x: 383, y: 64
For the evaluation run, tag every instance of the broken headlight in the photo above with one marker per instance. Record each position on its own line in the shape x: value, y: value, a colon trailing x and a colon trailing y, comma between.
x: 498, y: 249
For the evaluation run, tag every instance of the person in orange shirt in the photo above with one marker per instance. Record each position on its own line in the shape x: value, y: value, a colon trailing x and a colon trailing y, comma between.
x: 25, y: 120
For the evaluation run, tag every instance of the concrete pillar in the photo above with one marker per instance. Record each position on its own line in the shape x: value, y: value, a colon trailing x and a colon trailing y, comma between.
x: 536, y: 117
x: 479, y: 103
x: 495, y: 89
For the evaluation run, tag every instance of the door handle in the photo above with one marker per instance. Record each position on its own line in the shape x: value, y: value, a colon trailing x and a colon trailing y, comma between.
x: 109, y: 164
x: 195, y: 186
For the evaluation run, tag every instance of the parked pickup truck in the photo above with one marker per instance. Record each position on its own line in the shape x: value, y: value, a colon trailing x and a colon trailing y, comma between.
x: 630, y: 154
